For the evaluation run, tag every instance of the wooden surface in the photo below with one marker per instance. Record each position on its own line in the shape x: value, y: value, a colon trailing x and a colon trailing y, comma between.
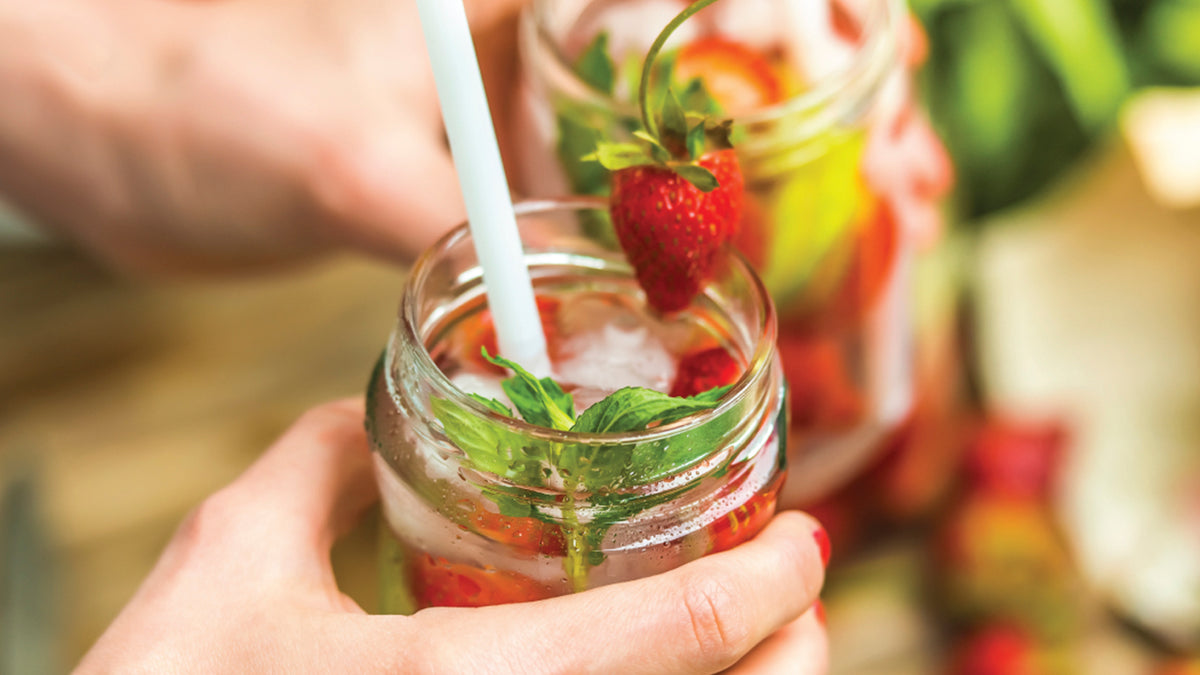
x: 129, y: 401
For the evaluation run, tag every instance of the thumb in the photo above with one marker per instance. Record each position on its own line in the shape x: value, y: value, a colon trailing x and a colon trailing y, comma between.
x: 699, y: 618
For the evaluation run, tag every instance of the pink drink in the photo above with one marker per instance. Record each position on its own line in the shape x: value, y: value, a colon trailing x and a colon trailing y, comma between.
x: 530, y: 512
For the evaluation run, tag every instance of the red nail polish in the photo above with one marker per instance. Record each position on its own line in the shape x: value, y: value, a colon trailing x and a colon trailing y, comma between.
x: 819, y: 611
x: 822, y: 543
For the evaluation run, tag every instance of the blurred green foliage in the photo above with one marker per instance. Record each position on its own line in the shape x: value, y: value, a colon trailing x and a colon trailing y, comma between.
x: 1021, y: 89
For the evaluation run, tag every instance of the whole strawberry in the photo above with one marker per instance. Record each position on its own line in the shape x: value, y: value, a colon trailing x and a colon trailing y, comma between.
x: 676, y: 193
x: 672, y: 232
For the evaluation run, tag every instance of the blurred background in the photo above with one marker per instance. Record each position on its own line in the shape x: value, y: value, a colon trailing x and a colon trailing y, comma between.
x: 1038, y: 513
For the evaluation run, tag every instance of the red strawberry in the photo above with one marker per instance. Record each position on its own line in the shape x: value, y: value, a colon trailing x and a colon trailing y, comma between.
x: 700, y: 371
x: 742, y: 523
x: 437, y: 582
x: 526, y: 534
x: 736, y: 76
x: 672, y: 232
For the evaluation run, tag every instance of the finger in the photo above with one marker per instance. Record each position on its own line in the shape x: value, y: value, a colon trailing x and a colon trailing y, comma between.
x: 699, y: 618
x: 391, y: 196
x: 799, y: 648
x: 313, y: 484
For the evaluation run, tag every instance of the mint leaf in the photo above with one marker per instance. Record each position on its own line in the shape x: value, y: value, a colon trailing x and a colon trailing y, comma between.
x: 595, y: 67
x: 541, y: 402
x: 635, y: 408
x: 488, y: 446
x: 493, y: 405
x: 578, y: 135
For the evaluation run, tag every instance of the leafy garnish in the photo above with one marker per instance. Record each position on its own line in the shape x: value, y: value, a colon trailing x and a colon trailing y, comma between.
x: 596, y: 468
x: 541, y: 402
x: 595, y: 67
x: 635, y: 409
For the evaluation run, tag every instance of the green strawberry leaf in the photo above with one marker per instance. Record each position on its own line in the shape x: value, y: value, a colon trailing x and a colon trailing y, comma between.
x: 702, y: 178
x: 635, y: 408
x: 541, y: 402
x: 657, y: 150
x: 674, y: 121
x: 695, y: 140
x: 617, y: 156
x: 595, y: 67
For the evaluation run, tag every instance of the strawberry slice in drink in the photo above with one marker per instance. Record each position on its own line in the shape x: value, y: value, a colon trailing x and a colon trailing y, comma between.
x: 736, y: 76
x: 525, y: 534
x: 437, y: 582
x: 708, y: 369
x: 744, y: 522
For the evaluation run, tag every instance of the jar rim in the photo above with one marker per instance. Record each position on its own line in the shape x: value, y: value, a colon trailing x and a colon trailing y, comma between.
x: 872, y: 60
x: 759, y: 366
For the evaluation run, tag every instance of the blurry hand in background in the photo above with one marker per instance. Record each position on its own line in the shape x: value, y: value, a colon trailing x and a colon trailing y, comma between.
x: 246, y: 585
x: 170, y: 136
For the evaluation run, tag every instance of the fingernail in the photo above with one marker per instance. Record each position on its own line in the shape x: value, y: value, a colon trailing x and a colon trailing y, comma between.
x: 823, y: 543
x: 819, y: 611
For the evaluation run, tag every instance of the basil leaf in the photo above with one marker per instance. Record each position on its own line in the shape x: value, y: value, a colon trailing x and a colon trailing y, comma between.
x: 552, y: 409
x: 595, y: 67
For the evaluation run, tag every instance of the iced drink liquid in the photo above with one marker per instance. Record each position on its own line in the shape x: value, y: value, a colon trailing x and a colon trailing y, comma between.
x: 512, y: 512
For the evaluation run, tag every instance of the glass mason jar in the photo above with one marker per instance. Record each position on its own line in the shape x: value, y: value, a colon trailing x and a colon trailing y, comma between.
x: 820, y: 225
x: 465, y: 526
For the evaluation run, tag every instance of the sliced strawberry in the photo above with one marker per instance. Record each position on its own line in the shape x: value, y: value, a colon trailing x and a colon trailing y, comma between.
x: 700, y: 371
x: 671, y: 231
x: 738, y: 77
x: 480, y: 330
x: 526, y: 534
x: 436, y: 582
x: 744, y: 522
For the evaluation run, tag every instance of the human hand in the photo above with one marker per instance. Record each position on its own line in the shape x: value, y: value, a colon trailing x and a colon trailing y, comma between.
x: 171, y: 136
x: 246, y: 585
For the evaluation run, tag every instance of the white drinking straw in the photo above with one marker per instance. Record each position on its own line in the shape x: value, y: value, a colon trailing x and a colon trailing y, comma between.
x: 482, y: 181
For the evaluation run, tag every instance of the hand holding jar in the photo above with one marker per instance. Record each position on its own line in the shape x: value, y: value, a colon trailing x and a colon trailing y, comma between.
x: 246, y: 585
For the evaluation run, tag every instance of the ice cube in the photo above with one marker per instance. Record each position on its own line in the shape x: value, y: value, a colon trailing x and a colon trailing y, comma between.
x: 614, y: 356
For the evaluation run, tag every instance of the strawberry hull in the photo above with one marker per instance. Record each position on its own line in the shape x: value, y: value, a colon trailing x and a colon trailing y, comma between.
x: 481, y: 508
